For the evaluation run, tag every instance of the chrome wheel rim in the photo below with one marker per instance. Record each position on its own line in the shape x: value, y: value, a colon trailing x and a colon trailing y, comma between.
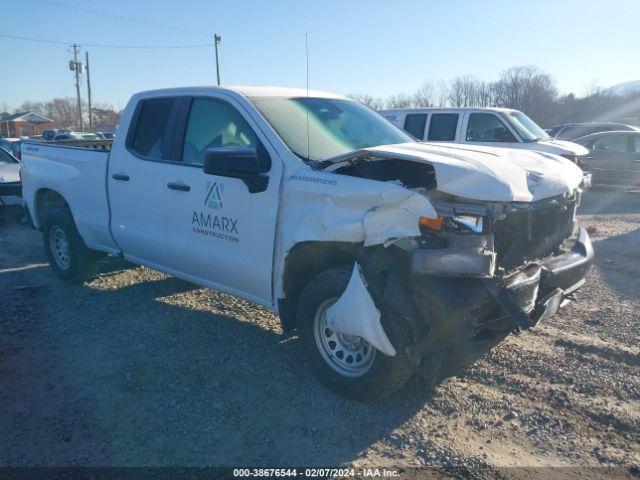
x: 59, y: 246
x: 348, y: 355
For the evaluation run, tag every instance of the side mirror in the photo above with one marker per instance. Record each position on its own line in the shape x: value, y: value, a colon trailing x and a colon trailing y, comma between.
x: 236, y: 162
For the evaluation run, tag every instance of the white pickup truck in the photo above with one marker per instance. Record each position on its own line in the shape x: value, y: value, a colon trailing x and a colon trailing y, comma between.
x: 387, y: 255
x: 491, y: 126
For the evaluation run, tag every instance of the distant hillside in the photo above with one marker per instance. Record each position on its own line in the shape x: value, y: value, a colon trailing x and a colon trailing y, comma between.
x: 624, y: 88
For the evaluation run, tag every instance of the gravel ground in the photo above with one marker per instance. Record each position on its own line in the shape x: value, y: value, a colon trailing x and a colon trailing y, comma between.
x: 136, y: 368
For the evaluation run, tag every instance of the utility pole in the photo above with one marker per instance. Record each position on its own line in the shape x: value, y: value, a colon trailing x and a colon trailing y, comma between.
x: 76, y: 69
x: 86, y: 66
x: 217, y: 39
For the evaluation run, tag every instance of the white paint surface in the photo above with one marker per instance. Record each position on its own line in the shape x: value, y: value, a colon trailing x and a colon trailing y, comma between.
x: 354, y: 313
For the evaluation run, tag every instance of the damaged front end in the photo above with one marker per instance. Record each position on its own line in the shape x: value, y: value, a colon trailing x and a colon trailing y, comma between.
x: 478, y: 271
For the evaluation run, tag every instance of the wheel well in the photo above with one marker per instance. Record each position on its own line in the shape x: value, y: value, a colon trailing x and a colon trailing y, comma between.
x: 47, y: 199
x: 304, y: 261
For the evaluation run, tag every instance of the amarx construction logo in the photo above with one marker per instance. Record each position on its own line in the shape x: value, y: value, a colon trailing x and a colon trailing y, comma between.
x: 213, y: 197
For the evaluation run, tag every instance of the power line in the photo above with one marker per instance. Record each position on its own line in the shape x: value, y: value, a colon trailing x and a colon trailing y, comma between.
x: 121, y: 17
x: 103, y: 45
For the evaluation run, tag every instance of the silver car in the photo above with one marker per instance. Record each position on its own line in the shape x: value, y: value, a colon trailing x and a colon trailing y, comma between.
x: 614, y: 158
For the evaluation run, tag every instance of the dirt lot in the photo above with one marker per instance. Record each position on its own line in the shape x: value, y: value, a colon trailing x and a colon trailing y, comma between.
x: 137, y: 368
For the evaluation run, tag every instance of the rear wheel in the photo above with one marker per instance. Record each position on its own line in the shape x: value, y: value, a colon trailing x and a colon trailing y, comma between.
x: 348, y: 364
x: 69, y: 257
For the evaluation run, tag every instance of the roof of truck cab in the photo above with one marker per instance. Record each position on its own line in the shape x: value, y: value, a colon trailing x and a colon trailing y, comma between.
x: 247, y: 91
x: 444, y: 109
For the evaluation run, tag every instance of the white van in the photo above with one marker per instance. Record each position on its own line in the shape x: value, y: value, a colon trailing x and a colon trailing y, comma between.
x: 498, y: 127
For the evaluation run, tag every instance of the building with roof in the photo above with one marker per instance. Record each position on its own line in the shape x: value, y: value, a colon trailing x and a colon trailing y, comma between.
x: 24, y: 124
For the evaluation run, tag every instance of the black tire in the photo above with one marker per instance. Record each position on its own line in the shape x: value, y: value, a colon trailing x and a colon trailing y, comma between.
x: 82, y: 262
x: 386, y: 374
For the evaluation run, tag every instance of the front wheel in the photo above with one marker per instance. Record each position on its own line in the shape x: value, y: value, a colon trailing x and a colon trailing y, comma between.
x: 69, y: 257
x: 348, y: 364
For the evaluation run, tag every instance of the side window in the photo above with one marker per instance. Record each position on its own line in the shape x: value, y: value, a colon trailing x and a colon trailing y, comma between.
x: 635, y: 143
x: 554, y: 131
x: 212, y: 124
x: 612, y: 143
x: 443, y: 127
x: 414, y: 123
x: 487, y: 127
x: 572, y: 132
x: 150, y: 135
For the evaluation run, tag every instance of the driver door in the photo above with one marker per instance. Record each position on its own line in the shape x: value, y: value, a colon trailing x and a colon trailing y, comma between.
x: 217, y: 232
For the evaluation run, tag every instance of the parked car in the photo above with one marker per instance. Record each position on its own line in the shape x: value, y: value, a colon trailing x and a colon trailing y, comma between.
x: 499, y: 127
x: 12, y: 145
x: 10, y: 185
x: 614, y: 157
x: 50, y: 133
x: 76, y: 136
x: 106, y: 135
x: 389, y: 256
x: 572, y: 131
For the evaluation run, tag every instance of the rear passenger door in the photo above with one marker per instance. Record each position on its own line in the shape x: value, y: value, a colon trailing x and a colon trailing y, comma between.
x: 135, y: 182
x: 443, y: 127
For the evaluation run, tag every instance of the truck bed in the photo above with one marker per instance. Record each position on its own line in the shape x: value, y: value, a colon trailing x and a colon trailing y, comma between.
x: 78, y: 174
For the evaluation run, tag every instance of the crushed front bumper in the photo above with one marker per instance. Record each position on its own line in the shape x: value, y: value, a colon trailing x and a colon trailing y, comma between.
x: 559, y: 277
x: 470, y: 314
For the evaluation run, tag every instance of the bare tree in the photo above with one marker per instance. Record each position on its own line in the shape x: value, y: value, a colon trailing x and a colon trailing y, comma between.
x: 63, y: 112
x: 424, y: 96
x: 463, y: 91
x: 105, y: 116
x: 527, y: 89
x: 368, y: 100
x: 401, y: 100
x: 441, y: 94
x: 524, y: 88
x: 483, y: 94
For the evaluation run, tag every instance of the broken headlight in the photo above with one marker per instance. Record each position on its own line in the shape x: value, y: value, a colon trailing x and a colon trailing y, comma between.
x: 458, y: 223
x: 467, y: 223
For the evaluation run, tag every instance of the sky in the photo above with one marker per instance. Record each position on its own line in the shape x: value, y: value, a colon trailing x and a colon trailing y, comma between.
x: 355, y: 46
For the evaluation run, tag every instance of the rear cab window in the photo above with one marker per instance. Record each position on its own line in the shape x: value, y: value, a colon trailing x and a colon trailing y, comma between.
x: 443, y: 127
x: 415, y: 123
x: 150, y: 135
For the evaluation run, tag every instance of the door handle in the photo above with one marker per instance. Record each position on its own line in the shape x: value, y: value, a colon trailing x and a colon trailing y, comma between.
x: 123, y: 177
x: 178, y: 186
x: 590, y: 158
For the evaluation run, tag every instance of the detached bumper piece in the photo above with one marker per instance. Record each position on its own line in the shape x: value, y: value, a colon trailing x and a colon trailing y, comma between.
x: 558, y: 277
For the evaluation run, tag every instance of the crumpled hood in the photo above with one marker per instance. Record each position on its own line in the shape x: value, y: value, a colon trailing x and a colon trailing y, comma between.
x: 490, y: 173
x: 9, y: 172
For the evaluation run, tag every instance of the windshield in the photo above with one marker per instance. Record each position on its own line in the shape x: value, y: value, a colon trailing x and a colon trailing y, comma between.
x: 334, y: 126
x: 529, y: 130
